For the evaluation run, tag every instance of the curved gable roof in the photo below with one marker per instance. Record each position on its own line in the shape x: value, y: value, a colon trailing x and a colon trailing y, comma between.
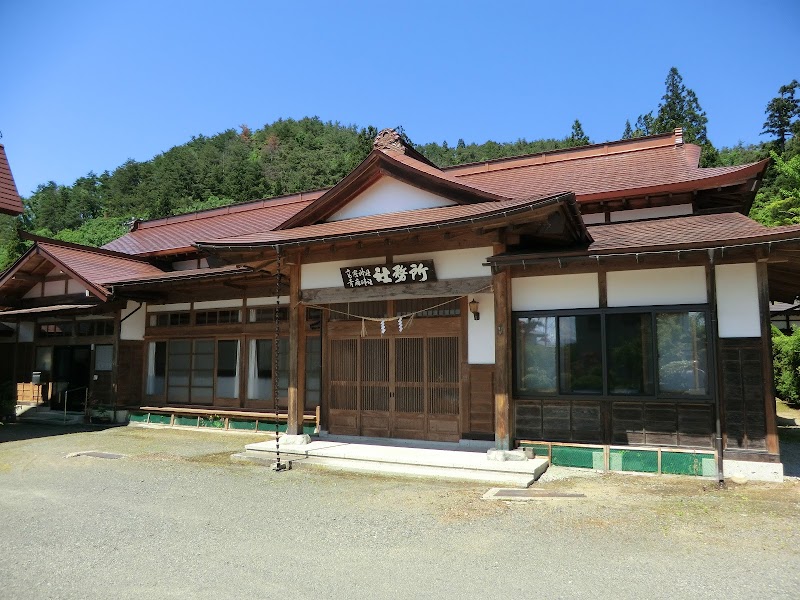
x: 10, y: 202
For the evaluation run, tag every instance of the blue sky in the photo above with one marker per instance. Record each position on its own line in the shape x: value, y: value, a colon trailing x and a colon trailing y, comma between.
x: 89, y: 84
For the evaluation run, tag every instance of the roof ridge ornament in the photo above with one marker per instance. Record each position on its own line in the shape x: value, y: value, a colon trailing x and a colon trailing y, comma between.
x: 390, y: 139
x: 679, y: 136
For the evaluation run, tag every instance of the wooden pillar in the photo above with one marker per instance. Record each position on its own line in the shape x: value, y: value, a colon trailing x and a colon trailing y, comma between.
x: 766, y: 345
x: 297, y: 357
x: 501, y: 283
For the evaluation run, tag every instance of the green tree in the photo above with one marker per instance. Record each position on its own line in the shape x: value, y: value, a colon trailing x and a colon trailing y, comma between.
x: 779, y: 203
x: 786, y: 364
x: 782, y: 112
x: 577, y: 137
x: 628, y: 133
x: 645, y: 125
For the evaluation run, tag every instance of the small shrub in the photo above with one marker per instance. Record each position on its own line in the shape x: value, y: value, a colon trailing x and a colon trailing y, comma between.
x: 786, y: 365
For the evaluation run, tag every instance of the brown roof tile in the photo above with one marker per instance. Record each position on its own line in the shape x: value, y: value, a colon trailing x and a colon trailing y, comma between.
x: 650, y: 170
x: 182, y: 275
x: 385, y: 223
x: 98, y: 268
x: 180, y: 232
x: 10, y: 202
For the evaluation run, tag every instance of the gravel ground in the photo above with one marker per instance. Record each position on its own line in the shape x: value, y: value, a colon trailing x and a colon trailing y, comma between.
x: 175, y: 518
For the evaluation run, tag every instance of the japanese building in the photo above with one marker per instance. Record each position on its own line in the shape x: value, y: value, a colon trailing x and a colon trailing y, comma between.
x: 600, y: 297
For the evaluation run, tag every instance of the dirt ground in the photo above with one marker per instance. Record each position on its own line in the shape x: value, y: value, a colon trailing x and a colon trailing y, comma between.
x: 175, y: 517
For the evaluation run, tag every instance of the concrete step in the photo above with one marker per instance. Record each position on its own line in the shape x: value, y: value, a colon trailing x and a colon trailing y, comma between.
x: 393, y: 460
x: 45, y: 415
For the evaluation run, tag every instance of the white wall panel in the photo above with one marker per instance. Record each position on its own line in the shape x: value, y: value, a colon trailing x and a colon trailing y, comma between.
x: 233, y: 303
x: 738, y: 313
x: 480, y: 333
x: 657, y: 287
x: 388, y: 196
x: 454, y: 264
x: 554, y: 292
x: 324, y: 275
x: 636, y: 214
x: 132, y: 328
x: 268, y: 301
x: 168, y: 307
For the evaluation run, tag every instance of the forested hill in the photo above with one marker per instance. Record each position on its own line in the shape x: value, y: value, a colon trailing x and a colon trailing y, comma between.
x: 289, y: 156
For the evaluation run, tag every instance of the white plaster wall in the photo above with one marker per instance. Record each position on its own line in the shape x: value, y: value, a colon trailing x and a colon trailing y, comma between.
x: 73, y: 287
x: 738, y: 312
x: 454, y: 264
x: 133, y: 327
x: 480, y: 334
x: 34, y: 292
x: 184, y: 265
x: 168, y: 307
x: 651, y: 213
x: 54, y: 288
x: 324, y: 275
x: 553, y: 292
x: 234, y: 303
x: 657, y: 287
x: 269, y: 301
x: 388, y: 195
x: 25, y: 331
x: 594, y: 218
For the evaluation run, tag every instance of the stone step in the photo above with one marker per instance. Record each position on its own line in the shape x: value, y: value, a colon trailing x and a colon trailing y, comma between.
x: 394, y: 460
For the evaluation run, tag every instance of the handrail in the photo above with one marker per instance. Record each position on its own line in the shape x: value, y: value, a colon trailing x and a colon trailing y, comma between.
x: 66, y: 397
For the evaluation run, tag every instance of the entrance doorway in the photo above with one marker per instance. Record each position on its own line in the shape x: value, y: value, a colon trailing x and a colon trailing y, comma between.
x: 399, y: 386
x: 71, y: 373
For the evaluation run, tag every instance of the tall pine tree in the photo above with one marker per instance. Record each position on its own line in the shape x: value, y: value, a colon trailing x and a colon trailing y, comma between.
x: 781, y: 114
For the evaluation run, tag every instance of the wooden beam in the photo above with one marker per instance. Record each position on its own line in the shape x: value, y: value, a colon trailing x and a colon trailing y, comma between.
x: 294, y: 424
x: 766, y: 351
x: 433, y: 289
x: 502, y: 349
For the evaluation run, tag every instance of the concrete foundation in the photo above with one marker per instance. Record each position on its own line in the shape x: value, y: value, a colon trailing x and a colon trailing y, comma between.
x: 753, y: 471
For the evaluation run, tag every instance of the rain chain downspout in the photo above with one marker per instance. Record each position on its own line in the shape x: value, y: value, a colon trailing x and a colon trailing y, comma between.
x: 712, y: 304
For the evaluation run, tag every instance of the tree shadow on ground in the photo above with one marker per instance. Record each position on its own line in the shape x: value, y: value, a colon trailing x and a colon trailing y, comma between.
x: 14, y: 432
x: 790, y: 450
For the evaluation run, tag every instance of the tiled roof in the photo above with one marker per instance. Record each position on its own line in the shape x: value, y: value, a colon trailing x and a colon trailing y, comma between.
x: 594, y: 177
x: 10, y: 202
x: 182, y: 275
x: 98, y: 268
x: 399, y: 221
x: 725, y: 229
x: 180, y: 232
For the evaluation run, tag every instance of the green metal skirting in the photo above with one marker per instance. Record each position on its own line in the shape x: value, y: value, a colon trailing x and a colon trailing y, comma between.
x: 138, y: 417
x: 159, y: 419
x: 185, y: 421
x: 681, y: 463
x: 574, y: 456
x: 638, y: 461
x: 631, y: 460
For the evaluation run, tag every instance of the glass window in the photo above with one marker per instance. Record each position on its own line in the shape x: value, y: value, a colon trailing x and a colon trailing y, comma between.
x: 228, y: 369
x: 44, y: 359
x: 103, y: 357
x: 156, y: 367
x: 580, y: 354
x: 614, y: 353
x: 629, y: 347
x: 259, y: 381
x: 313, y: 371
x: 536, y: 355
x: 682, y: 353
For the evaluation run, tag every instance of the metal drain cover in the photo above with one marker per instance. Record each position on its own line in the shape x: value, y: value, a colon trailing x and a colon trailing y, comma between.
x: 95, y: 454
x: 526, y: 494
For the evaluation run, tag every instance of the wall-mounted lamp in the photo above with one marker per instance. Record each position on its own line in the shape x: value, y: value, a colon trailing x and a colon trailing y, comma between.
x: 473, y: 308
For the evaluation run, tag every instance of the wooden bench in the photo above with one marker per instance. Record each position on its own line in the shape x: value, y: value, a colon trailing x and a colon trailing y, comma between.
x: 223, y: 418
